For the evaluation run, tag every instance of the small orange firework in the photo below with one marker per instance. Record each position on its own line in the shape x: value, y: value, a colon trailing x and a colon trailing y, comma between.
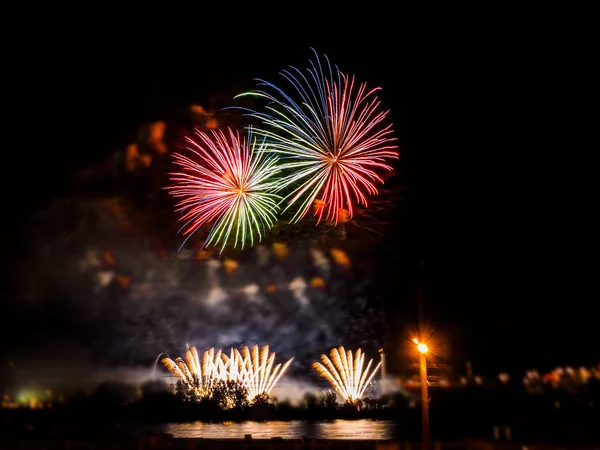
x: 203, y: 255
x: 317, y: 282
x: 340, y: 257
x: 123, y: 281
x: 109, y: 259
x: 132, y: 156
x: 343, y: 215
x: 319, y: 206
x: 203, y: 117
x: 155, y: 138
x: 211, y: 123
x: 280, y: 250
x: 230, y: 265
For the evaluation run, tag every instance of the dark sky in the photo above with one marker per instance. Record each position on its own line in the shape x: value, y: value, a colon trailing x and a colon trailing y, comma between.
x: 485, y: 116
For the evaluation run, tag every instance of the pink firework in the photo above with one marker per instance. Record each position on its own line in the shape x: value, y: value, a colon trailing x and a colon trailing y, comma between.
x: 225, y: 179
x: 332, y: 137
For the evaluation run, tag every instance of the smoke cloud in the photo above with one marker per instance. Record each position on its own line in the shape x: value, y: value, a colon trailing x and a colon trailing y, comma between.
x: 95, y: 296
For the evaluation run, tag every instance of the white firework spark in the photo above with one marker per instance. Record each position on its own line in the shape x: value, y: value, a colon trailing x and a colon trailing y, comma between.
x: 345, y: 373
x: 198, y: 376
x: 252, y: 368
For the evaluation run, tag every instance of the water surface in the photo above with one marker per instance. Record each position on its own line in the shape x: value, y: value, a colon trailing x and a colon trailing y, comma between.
x: 367, y: 429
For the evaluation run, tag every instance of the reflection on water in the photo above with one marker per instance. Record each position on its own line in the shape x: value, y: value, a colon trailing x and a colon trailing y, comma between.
x: 295, y: 429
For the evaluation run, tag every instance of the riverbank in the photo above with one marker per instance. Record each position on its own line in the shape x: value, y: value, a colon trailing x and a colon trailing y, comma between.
x: 116, y: 424
x: 159, y: 442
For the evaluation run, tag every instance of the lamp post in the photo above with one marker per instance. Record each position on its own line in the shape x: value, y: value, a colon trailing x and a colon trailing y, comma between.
x: 422, y: 348
x: 383, y: 372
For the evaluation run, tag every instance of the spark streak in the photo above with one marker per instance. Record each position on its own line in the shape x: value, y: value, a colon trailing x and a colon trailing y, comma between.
x: 226, y: 180
x: 330, y: 134
x: 345, y: 373
x: 253, y: 368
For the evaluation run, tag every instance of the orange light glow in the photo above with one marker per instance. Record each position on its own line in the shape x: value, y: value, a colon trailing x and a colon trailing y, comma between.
x: 230, y: 265
x: 319, y: 206
x: 281, y: 250
x: 155, y: 138
x: 123, y: 281
x: 317, y: 282
x: 340, y: 257
x: 109, y: 258
x: 132, y: 155
x: 343, y: 215
x: 202, y: 116
x: 198, y: 110
x: 203, y: 254
x: 421, y: 346
x: 212, y: 124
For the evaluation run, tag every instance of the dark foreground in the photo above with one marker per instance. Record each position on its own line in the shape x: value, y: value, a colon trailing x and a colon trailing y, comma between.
x: 159, y: 442
x: 109, y: 418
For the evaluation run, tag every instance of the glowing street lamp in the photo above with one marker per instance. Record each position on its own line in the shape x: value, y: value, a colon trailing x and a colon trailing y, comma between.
x: 422, y: 348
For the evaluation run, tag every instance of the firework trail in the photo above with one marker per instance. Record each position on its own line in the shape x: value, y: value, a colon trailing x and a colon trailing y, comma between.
x: 345, y: 373
x: 198, y: 377
x: 330, y: 134
x: 226, y: 179
x: 254, y: 369
x: 214, y: 365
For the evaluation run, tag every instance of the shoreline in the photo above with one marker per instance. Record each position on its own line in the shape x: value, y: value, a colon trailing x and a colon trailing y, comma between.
x: 167, y: 441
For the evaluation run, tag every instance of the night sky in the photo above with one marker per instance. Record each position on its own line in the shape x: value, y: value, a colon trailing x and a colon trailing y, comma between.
x: 491, y: 203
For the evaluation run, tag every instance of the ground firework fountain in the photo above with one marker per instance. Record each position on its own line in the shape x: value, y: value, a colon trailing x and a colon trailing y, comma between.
x: 346, y: 373
x: 253, y: 369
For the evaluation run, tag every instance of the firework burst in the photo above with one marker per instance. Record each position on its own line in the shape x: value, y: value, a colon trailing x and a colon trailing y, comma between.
x: 330, y: 134
x: 252, y: 368
x: 346, y: 373
x: 226, y: 180
x: 195, y: 375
